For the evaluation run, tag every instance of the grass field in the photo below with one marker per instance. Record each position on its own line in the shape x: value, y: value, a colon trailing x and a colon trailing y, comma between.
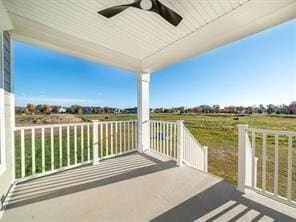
x: 219, y: 133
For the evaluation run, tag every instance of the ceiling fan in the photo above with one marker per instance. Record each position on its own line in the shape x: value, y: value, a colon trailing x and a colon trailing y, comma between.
x: 147, y: 5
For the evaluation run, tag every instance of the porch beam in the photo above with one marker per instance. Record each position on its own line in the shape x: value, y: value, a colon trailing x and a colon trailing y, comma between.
x: 143, y: 112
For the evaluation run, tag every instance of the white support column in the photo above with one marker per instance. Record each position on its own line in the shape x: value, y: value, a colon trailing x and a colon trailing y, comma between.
x: 95, y: 142
x: 143, y: 111
x: 244, y: 158
x: 180, y: 142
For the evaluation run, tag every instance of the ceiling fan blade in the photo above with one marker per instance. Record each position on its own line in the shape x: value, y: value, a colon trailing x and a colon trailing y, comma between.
x: 112, y: 11
x: 167, y: 13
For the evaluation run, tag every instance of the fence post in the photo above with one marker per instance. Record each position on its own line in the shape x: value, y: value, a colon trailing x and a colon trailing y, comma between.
x: 244, y: 158
x: 95, y: 142
x: 180, y: 144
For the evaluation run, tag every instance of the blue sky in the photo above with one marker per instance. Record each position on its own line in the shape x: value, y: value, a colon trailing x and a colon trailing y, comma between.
x: 260, y: 69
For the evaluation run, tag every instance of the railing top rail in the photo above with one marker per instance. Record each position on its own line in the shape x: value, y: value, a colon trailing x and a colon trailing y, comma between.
x: 50, y: 126
x: 66, y: 124
x: 267, y: 131
x: 120, y: 121
x: 161, y: 121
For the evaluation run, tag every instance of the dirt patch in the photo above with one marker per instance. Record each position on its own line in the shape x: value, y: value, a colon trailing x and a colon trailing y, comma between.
x: 48, y: 119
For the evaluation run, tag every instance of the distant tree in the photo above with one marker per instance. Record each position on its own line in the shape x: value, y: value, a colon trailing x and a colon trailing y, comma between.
x: 292, y: 108
x: 216, y: 108
x: 240, y: 109
x: 282, y: 109
x: 182, y: 109
x: 79, y: 110
x: 76, y: 109
x: 39, y: 108
x: 46, y: 108
x: 31, y: 108
x: 261, y: 109
x: 271, y: 109
x: 55, y: 109
x: 251, y: 109
x: 230, y: 109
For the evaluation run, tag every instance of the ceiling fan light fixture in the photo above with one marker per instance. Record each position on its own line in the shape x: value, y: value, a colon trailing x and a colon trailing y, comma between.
x: 146, y: 4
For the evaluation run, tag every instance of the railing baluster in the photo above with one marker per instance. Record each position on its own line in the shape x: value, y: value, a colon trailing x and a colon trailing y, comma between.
x: 132, y: 133
x: 75, y: 144
x: 116, y: 137
x: 111, y: 138
x: 107, y: 144
x: 276, y: 164
x: 290, y: 144
x: 264, y: 162
x: 101, y: 140
x: 136, y: 134
x: 164, y: 137
x: 88, y: 143
x: 124, y: 136
x: 43, y: 150
x: 82, y: 143
x: 175, y: 140
x: 128, y: 136
x: 52, y: 148
x: 33, y: 152
x: 253, y: 157
x: 120, y: 138
x: 171, y: 140
x: 162, y: 143
x: 158, y: 137
x: 155, y: 137
x: 61, y: 146
x: 68, y: 145
x: 23, y: 160
x: 151, y: 135
x: 167, y: 139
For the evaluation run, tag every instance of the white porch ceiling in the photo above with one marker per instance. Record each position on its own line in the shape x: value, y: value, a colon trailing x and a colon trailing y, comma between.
x: 137, y: 40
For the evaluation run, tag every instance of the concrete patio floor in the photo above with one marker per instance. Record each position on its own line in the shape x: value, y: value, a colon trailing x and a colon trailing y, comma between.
x: 138, y: 187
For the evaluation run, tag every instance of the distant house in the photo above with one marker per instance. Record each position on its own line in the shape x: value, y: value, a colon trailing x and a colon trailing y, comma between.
x: 88, y: 110
x: 131, y: 110
x: 62, y: 110
x: 118, y: 111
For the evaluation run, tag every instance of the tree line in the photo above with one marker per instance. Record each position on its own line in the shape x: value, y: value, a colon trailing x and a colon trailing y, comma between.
x: 77, y: 109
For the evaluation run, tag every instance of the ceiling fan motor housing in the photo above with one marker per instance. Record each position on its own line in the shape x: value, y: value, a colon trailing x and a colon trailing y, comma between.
x: 146, y: 4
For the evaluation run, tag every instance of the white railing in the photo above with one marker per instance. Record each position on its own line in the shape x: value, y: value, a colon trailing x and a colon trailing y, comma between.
x: 46, y: 149
x: 195, y: 155
x: 265, y: 159
x: 175, y: 141
x: 163, y: 138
